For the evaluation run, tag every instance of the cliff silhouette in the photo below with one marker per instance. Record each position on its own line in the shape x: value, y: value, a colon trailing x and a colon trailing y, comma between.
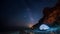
x: 51, y: 16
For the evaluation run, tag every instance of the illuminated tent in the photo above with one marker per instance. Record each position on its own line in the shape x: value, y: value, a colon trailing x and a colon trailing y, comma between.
x: 44, y: 27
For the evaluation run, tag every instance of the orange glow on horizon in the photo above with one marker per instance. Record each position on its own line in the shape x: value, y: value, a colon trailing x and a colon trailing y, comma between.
x: 30, y: 25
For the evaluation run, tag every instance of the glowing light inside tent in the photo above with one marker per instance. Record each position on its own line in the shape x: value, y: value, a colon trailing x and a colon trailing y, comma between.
x: 44, y: 27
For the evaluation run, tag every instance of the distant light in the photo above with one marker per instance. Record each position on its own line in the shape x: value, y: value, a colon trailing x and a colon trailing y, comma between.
x: 44, y: 27
x: 30, y: 25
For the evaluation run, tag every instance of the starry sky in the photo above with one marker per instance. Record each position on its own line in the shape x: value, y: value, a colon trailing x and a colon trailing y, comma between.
x: 23, y: 12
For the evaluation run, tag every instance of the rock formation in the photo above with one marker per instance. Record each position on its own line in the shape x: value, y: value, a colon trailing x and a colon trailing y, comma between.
x: 51, y: 16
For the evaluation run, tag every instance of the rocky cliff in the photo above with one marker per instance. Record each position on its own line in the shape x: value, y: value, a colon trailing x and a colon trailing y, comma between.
x: 51, y: 16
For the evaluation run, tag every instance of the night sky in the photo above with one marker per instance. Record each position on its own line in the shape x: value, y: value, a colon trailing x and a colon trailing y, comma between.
x: 23, y: 12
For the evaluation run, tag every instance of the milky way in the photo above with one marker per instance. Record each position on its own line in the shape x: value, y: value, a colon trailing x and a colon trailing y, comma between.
x: 23, y: 12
